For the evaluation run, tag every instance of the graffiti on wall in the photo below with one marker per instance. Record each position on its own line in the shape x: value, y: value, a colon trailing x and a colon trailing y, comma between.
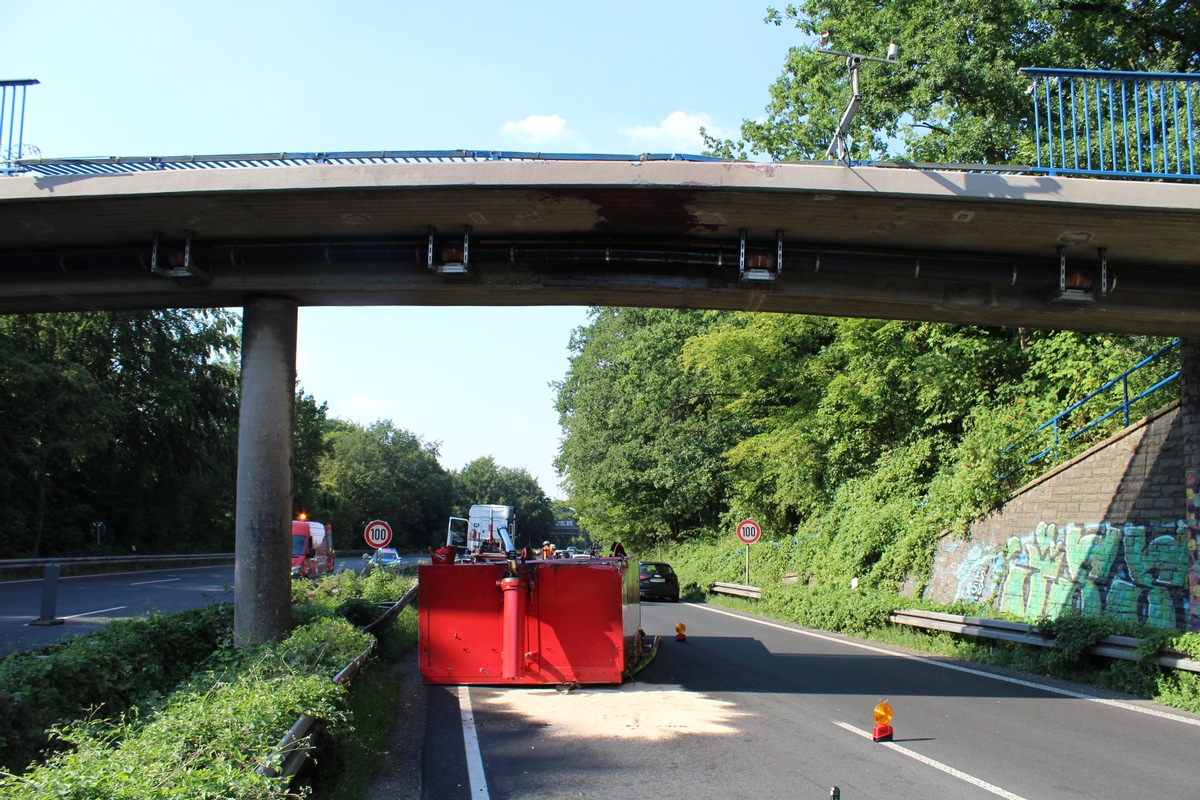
x: 1136, y: 572
x: 1193, y: 521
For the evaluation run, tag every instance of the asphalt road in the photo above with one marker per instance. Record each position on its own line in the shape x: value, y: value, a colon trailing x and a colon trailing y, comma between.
x: 86, y: 602
x: 749, y: 708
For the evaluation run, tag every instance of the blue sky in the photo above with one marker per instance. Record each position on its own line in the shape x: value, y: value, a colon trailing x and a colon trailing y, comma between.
x: 217, y: 77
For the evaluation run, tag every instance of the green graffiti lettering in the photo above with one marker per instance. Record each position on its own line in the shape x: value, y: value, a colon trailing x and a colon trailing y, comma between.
x: 1160, y: 608
x: 1122, y: 599
x: 1012, y: 593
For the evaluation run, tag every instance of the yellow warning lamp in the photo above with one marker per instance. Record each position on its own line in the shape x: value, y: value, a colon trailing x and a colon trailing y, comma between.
x: 302, y: 516
x: 680, y: 632
x: 882, y: 732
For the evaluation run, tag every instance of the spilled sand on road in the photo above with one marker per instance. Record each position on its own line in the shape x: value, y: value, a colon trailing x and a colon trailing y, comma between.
x: 646, y: 714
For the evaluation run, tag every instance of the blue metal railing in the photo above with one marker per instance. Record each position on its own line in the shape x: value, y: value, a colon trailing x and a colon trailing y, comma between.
x: 12, y: 122
x: 1122, y: 380
x: 1122, y: 124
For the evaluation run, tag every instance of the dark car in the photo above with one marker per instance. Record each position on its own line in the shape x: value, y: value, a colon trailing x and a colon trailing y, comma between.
x: 657, y: 579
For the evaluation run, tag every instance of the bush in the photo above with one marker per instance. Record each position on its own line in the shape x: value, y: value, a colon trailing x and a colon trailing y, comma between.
x: 210, y: 739
x: 100, y: 676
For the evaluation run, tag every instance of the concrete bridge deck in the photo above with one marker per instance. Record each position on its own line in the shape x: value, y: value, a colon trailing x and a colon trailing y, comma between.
x: 965, y: 247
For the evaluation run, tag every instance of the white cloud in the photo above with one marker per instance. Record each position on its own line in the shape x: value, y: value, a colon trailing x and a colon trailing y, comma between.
x: 678, y: 133
x: 537, y: 128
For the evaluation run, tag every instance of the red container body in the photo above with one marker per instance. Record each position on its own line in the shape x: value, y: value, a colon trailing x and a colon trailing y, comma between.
x: 556, y: 621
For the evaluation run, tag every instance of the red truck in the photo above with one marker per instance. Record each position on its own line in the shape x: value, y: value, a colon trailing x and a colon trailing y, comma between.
x: 312, y: 549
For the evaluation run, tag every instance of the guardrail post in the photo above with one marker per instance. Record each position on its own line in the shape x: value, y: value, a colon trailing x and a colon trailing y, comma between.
x: 49, y: 597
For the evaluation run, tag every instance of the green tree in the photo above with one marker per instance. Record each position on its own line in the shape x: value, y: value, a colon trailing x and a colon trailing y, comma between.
x: 124, y: 417
x: 310, y: 445
x: 642, y: 454
x: 54, y: 417
x: 381, y: 472
x: 484, y: 482
x: 957, y: 95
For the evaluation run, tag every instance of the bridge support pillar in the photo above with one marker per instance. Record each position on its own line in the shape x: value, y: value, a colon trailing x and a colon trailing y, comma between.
x: 1189, y: 411
x: 262, y: 605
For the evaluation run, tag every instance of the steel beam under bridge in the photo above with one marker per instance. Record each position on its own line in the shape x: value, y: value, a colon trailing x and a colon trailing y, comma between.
x: 961, y: 247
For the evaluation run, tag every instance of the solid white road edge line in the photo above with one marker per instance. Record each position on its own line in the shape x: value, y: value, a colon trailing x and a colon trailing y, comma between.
x: 971, y: 779
x: 1153, y: 712
x: 160, y: 580
x: 471, y: 745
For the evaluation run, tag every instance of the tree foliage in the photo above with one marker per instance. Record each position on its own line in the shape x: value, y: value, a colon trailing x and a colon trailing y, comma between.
x: 857, y: 441
x: 98, y: 408
x: 382, y: 472
x: 483, y: 481
x: 642, y: 454
x: 956, y: 95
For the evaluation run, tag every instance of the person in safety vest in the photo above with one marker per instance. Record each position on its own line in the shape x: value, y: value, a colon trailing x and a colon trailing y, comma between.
x: 547, y: 550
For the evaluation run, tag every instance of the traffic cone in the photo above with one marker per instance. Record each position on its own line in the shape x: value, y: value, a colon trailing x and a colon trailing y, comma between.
x: 680, y: 632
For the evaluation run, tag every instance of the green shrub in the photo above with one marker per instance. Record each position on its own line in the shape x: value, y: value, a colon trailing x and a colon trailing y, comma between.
x: 125, y: 663
x: 210, y: 738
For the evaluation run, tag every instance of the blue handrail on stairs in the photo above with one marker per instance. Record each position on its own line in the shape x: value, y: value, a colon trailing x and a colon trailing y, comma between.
x: 1121, y: 380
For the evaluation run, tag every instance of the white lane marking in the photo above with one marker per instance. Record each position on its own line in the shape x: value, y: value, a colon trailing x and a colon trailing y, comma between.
x: 90, y: 613
x: 946, y: 768
x: 471, y: 743
x: 1152, y: 712
x: 160, y: 580
x: 112, y: 574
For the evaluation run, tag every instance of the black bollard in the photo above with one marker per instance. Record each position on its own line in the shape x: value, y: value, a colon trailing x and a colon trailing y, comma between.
x: 835, y: 793
x: 49, y: 597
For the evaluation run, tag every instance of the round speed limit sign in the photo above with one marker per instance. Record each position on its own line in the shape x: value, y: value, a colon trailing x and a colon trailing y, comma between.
x: 378, y: 533
x: 749, y: 531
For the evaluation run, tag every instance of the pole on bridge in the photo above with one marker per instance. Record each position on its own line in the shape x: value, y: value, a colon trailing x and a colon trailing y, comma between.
x: 262, y: 603
x: 1189, y: 413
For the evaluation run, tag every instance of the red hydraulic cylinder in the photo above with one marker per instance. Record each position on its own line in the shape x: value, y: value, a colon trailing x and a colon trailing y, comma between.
x: 512, y: 665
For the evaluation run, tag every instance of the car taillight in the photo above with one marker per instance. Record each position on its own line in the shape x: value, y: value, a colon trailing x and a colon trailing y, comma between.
x: 671, y: 578
x: 643, y: 577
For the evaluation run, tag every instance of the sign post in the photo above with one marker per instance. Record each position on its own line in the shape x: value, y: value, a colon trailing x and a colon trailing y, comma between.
x: 378, y: 534
x: 748, y: 532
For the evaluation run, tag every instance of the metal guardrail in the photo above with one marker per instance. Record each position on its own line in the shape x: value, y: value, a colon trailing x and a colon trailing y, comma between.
x: 1124, y: 406
x: 738, y: 589
x: 1117, y: 124
x: 123, y: 165
x: 295, y: 746
x: 1123, y: 648
x: 27, y: 564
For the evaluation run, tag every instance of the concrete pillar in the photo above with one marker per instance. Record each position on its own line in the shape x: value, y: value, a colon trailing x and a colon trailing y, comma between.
x: 262, y: 578
x: 1189, y: 416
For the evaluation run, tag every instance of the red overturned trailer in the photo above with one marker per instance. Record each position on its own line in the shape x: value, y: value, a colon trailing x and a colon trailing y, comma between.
x: 507, y: 618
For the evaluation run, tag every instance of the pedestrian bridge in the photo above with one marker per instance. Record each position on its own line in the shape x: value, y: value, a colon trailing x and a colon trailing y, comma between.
x: 982, y: 245
x: 455, y: 228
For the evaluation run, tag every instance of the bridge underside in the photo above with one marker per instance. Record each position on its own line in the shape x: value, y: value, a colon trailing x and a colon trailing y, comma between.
x: 950, y: 247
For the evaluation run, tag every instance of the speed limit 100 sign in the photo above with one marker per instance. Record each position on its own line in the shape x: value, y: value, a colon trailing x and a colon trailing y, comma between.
x: 378, y: 533
x: 749, y: 531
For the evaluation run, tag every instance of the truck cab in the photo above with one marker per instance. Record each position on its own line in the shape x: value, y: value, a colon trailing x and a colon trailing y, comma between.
x: 312, y: 549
